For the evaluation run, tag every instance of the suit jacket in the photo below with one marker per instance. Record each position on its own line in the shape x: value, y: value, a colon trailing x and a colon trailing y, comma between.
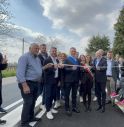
x: 42, y: 58
x: 100, y: 75
x: 122, y: 69
x: 49, y: 73
x: 115, y: 70
x: 71, y: 75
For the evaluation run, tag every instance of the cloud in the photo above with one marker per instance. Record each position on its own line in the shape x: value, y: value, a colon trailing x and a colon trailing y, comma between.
x: 83, y: 18
x: 12, y: 45
x: 23, y: 32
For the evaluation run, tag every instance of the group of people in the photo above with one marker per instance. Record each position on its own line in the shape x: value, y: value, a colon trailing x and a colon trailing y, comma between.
x: 56, y: 76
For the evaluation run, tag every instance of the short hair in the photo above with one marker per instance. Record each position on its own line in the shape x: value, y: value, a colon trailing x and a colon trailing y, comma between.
x: 101, y: 51
x: 109, y: 52
x: 53, y: 48
x: 33, y: 44
x: 43, y: 45
x: 73, y: 48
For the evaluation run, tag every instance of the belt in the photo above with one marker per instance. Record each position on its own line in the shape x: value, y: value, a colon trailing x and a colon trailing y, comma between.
x: 109, y: 76
x: 32, y: 81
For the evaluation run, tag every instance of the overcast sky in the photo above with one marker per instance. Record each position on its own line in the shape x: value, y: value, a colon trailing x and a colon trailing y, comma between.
x: 75, y: 21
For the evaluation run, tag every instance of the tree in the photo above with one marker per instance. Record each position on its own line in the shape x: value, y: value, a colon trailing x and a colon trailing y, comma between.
x: 118, y: 46
x: 5, y: 16
x: 98, y: 42
x: 41, y: 39
x: 55, y: 42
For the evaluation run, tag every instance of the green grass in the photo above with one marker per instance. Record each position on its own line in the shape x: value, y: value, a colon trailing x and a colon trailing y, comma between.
x: 8, y: 73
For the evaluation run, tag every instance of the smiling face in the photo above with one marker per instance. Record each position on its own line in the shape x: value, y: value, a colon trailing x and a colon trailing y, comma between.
x: 82, y: 59
x: 53, y: 52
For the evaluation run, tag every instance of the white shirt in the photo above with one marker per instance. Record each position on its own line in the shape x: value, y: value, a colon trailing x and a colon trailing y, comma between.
x: 109, y: 67
x: 56, y: 71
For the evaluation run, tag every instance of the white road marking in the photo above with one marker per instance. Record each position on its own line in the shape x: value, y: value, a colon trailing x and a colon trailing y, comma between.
x: 14, y: 116
x: 13, y: 104
x: 39, y: 115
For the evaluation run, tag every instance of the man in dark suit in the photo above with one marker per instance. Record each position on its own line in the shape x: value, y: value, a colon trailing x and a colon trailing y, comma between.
x: 99, y: 67
x: 71, y: 81
x: 3, y: 63
x: 42, y: 55
x: 51, y: 77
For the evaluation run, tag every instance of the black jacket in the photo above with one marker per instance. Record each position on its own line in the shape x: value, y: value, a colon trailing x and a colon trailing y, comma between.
x: 100, y: 75
x: 42, y: 58
x: 50, y: 72
x: 71, y: 75
x: 122, y: 69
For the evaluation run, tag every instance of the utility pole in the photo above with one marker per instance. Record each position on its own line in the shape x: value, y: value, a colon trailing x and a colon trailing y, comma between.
x: 23, y: 46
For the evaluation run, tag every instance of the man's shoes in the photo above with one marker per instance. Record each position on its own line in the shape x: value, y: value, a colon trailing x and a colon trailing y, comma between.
x: 57, y: 104
x: 100, y: 107
x: 89, y: 109
x: 103, y: 110
x: 49, y: 115
x: 85, y: 108
x: 75, y: 110
x: 54, y: 111
x: 108, y: 102
x: 95, y: 98
x: 2, y: 122
x: 2, y: 110
x: 42, y: 107
x: 25, y: 125
x: 35, y: 119
x: 81, y: 99
x: 68, y: 113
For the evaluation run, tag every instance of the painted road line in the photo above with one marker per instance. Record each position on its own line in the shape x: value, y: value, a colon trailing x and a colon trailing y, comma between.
x: 39, y: 115
x: 14, y: 116
x: 13, y: 104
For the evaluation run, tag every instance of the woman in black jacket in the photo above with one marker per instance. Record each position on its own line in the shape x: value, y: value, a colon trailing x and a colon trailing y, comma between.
x: 86, y: 79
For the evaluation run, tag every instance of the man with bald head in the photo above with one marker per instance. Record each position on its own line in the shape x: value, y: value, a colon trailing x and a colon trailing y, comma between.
x: 100, y: 67
x: 29, y: 71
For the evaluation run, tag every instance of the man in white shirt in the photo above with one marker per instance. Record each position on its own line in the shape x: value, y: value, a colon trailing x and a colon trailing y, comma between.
x: 112, y: 73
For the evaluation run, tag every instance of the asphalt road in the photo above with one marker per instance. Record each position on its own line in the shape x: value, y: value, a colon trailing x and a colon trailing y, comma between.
x: 113, y: 117
x: 10, y: 91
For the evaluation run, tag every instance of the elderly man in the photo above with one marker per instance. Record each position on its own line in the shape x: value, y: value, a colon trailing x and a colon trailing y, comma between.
x: 29, y: 71
x: 99, y: 68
